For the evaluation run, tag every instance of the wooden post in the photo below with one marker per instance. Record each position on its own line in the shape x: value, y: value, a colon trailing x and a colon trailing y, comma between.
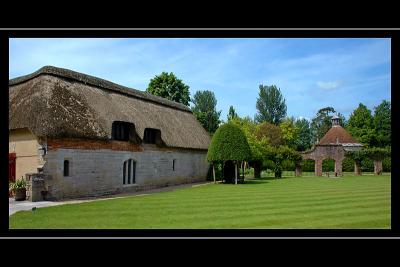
x: 213, y: 172
x: 235, y: 172
x: 243, y: 169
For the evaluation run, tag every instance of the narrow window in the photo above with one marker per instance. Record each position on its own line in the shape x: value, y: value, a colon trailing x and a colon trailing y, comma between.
x: 66, y: 167
x: 124, y: 173
x: 133, y: 172
x: 129, y: 171
x: 173, y: 164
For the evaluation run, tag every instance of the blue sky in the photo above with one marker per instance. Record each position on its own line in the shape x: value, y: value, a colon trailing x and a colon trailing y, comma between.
x: 311, y: 73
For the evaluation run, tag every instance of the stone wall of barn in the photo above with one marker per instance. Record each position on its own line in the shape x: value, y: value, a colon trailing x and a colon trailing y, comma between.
x: 99, y: 171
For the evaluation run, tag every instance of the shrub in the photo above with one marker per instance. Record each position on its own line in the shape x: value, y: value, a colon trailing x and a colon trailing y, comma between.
x: 20, y: 183
x: 229, y: 143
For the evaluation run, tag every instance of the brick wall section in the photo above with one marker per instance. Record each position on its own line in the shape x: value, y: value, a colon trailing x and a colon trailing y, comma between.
x: 75, y: 143
x: 321, y: 152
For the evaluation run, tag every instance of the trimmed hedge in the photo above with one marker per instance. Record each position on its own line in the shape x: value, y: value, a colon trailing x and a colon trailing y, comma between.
x: 229, y: 143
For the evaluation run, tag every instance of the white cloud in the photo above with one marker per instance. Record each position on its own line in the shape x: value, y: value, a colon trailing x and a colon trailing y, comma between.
x: 329, y: 85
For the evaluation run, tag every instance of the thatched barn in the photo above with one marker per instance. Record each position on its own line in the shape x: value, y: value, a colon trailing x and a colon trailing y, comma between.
x: 83, y: 136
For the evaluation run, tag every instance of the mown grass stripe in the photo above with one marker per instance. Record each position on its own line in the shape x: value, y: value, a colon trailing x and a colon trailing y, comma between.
x: 348, y: 202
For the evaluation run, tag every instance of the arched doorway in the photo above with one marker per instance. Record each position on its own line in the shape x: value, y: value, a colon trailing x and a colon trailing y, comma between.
x: 308, y: 167
x: 328, y: 167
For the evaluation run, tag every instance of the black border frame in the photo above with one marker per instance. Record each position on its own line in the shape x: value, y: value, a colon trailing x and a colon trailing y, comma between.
x: 207, y: 33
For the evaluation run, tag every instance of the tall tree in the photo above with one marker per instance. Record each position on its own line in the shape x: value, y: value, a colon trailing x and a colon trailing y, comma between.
x: 303, y: 141
x: 361, y: 125
x: 382, y: 123
x: 232, y: 113
x: 205, y: 110
x: 167, y: 85
x: 270, y: 104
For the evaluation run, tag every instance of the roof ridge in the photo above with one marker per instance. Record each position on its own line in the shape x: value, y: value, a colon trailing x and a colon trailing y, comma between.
x: 98, y: 82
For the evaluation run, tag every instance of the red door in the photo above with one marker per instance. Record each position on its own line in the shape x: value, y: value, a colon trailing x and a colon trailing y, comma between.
x: 11, y: 167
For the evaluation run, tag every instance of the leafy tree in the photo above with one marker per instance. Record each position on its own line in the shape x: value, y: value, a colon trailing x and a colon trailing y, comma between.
x: 257, y: 145
x: 280, y: 154
x: 382, y: 123
x: 232, y: 113
x: 377, y: 153
x: 289, y: 132
x: 342, y: 120
x: 271, y: 132
x: 270, y: 104
x: 205, y: 110
x: 303, y: 141
x: 357, y: 156
x: 167, y: 85
x: 361, y: 125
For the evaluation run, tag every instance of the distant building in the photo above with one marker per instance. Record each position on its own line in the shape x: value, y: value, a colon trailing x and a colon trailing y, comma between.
x: 80, y: 135
x: 332, y: 146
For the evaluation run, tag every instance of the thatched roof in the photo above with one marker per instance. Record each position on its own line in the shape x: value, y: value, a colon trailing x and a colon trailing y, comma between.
x: 55, y: 102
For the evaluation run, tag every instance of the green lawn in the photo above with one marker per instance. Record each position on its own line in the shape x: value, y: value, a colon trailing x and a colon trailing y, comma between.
x: 291, y: 202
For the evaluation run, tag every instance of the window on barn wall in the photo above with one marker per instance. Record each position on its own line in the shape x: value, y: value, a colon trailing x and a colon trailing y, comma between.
x: 129, y: 172
x: 173, y: 164
x: 121, y: 130
x: 151, y: 136
x: 66, y: 167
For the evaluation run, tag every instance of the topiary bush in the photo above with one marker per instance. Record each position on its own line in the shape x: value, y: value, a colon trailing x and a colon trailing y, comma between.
x: 229, y: 143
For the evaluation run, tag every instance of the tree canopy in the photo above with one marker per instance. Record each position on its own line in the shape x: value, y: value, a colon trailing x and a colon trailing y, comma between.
x: 290, y: 132
x: 229, y: 143
x: 232, y: 113
x: 361, y: 125
x: 271, y: 105
x: 167, y: 85
x: 271, y: 132
x: 205, y: 110
x: 382, y: 124
x: 257, y: 145
x: 303, y: 141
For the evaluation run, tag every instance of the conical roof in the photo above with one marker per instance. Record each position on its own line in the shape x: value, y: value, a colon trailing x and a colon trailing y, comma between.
x: 338, y: 135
